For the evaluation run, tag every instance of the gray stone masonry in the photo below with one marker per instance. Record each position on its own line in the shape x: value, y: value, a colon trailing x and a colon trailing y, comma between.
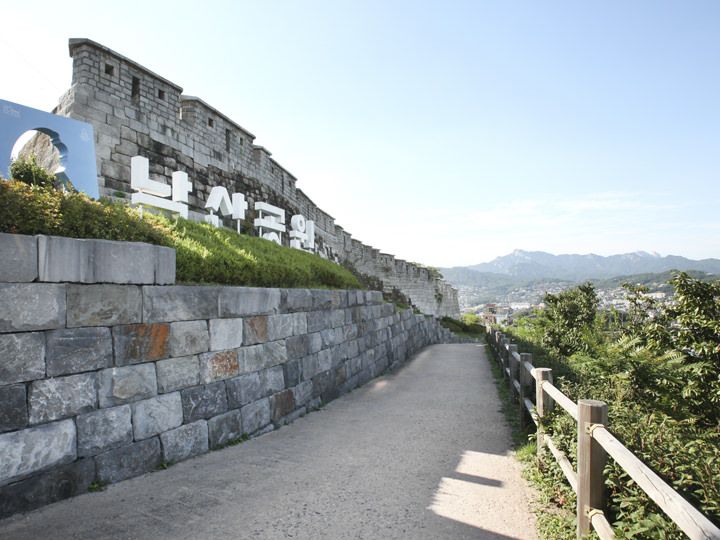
x: 19, y: 258
x: 77, y: 350
x: 136, y: 375
x: 103, y: 305
x: 185, y: 442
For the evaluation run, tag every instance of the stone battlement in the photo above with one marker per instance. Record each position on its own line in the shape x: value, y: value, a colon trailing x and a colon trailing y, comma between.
x: 134, y: 111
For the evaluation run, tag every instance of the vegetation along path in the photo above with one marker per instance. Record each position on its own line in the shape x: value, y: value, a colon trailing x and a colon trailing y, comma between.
x: 423, y: 453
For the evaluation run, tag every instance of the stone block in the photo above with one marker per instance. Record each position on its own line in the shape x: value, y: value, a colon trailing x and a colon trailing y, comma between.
x: 303, y: 392
x: 53, y: 399
x: 19, y: 261
x: 165, y: 265
x: 177, y: 373
x: 318, y: 320
x: 59, y: 483
x: 62, y: 259
x: 103, y: 305
x: 126, y: 384
x: 322, y: 299
x: 22, y: 357
x: 155, y: 415
x: 244, y: 389
x: 296, y: 300
x: 31, y: 306
x: 226, y: 334
x: 255, y: 415
x: 135, y: 343
x: 314, y: 342
x: 225, y: 428
x: 309, y: 366
x: 244, y: 301
x: 203, y: 402
x: 255, y: 330
x: 78, y: 349
x: 180, y: 303
x: 337, y: 318
x: 103, y: 430
x: 297, y: 346
x: 262, y: 356
x: 37, y: 448
x: 285, y: 325
x: 185, y: 442
x: 217, y: 366
x: 291, y: 372
x: 273, y: 379
x: 282, y: 404
x: 124, y: 262
x: 323, y: 383
x: 189, y: 337
x: 13, y: 407
x: 325, y: 360
x: 129, y: 461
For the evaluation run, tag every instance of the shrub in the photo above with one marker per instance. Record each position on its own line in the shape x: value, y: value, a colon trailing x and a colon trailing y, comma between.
x: 28, y: 170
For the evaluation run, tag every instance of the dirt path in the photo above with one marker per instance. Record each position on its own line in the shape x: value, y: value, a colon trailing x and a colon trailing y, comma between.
x: 419, y: 454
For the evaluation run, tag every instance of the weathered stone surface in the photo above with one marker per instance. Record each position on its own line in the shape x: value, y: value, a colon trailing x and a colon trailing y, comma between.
x: 255, y: 330
x: 52, y: 399
x: 22, y: 357
x: 262, y: 356
x: 225, y: 428
x: 282, y: 404
x: 322, y: 299
x: 325, y: 360
x: 204, y: 402
x: 31, y: 306
x: 180, y: 303
x: 285, y: 325
x: 296, y: 300
x: 226, y: 334
x: 78, y: 349
x: 129, y: 461
x: 135, y: 343
x: 103, y: 305
x: 13, y: 407
x: 272, y: 379
x: 297, y: 346
x: 177, y: 373
x: 216, y: 366
x: 126, y: 384
x: 303, y: 392
x: 19, y: 258
x: 37, y: 448
x: 188, y: 337
x: 157, y: 414
x: 185, y: 442
x: 103, y: 430
x: 242, y: 301
x: 291, y: 372
x: 318, y: 320
x: 309, y: 366
x: 244, y: 389
x: 124, y: 262
x: 60, y: 483
x: 314, y: 342
x: 65, y: 259
x: 255, y: 415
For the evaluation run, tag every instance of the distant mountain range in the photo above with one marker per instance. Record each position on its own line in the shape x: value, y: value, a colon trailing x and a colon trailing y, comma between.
x: 538, y: 265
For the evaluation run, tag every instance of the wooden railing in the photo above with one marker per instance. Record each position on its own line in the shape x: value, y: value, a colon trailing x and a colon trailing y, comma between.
x: 594, y: 444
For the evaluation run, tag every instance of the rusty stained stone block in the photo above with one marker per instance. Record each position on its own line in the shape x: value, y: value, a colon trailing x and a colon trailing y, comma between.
x: 135, y: 343
x: 255, y: 330
x: 282, y: 404
x: 217, y: 366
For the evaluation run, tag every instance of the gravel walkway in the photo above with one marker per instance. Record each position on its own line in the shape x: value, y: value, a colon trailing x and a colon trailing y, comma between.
x: 418, y: 454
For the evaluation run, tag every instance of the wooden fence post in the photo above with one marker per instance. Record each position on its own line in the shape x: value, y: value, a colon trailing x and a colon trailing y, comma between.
x: 512, y: 367
x: 524, y: 383
x: 591, y: 459
x: 543, y: 403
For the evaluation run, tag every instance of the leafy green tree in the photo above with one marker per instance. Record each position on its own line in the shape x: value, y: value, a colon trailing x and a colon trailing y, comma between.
x: 569, y: 318
x: 28, y: 170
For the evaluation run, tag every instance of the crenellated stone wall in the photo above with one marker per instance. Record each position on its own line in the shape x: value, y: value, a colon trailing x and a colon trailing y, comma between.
x: 100, y: 382
x: 137, y: 112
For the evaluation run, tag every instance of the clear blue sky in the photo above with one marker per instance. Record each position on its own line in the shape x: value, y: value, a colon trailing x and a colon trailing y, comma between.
x: 444, y: 132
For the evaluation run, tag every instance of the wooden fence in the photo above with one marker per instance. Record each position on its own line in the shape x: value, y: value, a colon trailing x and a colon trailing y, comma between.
x: 594, y: 444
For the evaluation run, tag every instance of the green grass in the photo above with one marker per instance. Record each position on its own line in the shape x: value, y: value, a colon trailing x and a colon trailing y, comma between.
x: 205, y: 254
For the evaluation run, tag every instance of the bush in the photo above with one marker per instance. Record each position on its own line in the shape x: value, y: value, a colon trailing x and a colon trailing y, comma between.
x: 28, y: 171
x: 205, y: 254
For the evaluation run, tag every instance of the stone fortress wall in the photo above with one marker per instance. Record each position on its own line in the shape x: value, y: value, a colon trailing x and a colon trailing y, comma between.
x: 109, y: 371
x: 137, y: 112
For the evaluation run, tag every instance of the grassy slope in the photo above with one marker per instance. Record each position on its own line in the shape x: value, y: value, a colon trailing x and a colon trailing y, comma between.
x: 204, y: 254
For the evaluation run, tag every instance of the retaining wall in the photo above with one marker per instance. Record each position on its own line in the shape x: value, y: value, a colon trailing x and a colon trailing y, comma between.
x: 137, y: 112
x: 100, y: 382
